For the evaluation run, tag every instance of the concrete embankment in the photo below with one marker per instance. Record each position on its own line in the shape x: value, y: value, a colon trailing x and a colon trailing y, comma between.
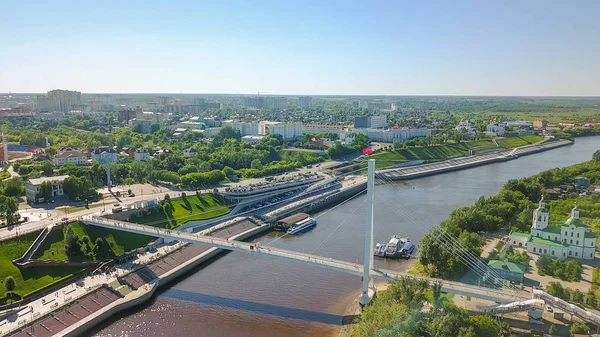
x: 468, y: 162
x: 414, y: 172
x: 145, y: 292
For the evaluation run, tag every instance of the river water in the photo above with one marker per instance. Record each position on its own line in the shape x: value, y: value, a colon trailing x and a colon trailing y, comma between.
x: 240, y: 295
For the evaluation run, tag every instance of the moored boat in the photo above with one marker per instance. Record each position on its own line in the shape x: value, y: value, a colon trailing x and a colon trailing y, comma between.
x: 302, y: 226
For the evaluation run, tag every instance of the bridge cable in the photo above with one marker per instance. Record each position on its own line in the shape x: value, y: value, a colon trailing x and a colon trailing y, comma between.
x: 459, y: 247
x: 470, y: 260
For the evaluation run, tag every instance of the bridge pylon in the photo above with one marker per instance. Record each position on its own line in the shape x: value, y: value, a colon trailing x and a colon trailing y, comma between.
x: 367, y: 296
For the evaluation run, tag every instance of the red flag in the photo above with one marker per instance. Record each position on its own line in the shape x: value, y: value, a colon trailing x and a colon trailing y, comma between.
x: 367, y: 151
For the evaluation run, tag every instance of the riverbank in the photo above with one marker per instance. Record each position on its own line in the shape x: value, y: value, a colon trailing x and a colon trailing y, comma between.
x: 270, y: 288
x: 134, y: 287
x: 352, y: 306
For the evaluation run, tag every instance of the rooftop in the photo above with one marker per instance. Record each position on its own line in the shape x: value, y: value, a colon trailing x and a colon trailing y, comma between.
x: 552, y: 229
x: 541, y: 241
x: 575, y: 222
x: 590, y: 235
x: 39, y: 181
x: 525, y: 235
x: 506, y: 265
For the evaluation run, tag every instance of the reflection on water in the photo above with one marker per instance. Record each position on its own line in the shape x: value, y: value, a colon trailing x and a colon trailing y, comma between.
x: 241, y: 295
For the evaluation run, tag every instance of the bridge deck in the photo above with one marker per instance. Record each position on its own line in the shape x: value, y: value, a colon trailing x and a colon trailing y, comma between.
x: 498, y: 295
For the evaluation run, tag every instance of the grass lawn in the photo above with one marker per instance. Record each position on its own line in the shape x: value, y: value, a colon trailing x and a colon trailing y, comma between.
x: 31, y: 279
x: 518, y: 141
x: 596, y: 276
x: 207, y: 207
x: 436, y: 152
x: 573, y: 114
x: 53, y: 248
x: 443, y: 152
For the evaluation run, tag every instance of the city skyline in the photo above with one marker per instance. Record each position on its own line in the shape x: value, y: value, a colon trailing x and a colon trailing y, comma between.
x: 310, y: 48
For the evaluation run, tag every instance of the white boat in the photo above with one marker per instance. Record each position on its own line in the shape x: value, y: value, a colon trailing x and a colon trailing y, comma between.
x: 302, y: 226
x: 397, y: 247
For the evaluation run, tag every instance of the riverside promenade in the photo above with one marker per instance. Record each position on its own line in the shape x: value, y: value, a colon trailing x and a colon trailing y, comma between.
x: 85, y: 303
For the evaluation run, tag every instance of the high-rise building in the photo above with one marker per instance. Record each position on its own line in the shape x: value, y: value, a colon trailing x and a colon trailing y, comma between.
x: 126, y: 115
x: 275, y: 102
x: 375, y: 122
x: 245, y: 128
x: 362, y: 122
x: 305, y: 101
x: 162, y: 100
x: 58, y: 100
x: 378, y: 121
x: 256, y: 102
x: 287, y: 131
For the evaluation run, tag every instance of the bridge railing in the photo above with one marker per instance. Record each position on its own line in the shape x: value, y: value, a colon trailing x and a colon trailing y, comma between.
x: 300, y: 256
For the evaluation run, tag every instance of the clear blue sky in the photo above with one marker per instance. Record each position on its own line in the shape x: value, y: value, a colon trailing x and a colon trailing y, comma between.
x: 521, y: 47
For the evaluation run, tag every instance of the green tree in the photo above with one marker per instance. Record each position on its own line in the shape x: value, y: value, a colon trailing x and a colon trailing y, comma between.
x: 46, y: 191
x: 579, y: 328
x: 47, y: 168
x: 72, y: 244
x: 256, y: 164
x: 227, y: 132
x: 8, y: 208
x: 14, y: 187
x: 596, y: 156
x: 543, y: 264
x: 484, y: 325
x: 10, y: 284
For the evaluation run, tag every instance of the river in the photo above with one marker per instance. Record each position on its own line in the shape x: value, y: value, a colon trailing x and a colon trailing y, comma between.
x: 244, y: 296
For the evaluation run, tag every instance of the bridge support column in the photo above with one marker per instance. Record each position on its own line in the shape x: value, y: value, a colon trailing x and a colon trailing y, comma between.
x: 365, y: 297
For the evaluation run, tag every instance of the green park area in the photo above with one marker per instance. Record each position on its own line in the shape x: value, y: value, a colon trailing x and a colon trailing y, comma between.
x: 175, y: 212
x: 89, y: 243
x: 518, y: 141
x: 28, y: 280
x: 445, y: 151
x: 114, y: 243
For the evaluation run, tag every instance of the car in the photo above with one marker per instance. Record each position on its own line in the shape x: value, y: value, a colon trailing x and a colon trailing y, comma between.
x: 64, y: 219
x: 117, y: 204
x: 549, y: 309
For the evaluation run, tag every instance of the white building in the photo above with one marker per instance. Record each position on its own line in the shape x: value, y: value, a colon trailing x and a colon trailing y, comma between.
x: 141, y: 125
x: 70, y: 155
x: 245, y: 128
x: 58, y: 100
x: 104, y: 155
x: 275, y: 102
x: 572, y: 239
x: 378, y: 122
x: 468, y: 126
x: 494, y: 130
x: 155, y: 117
x: 33, y: 187
x: 141, y: 154
x: 319, y: 128
x: 288, y: 131
x: 393, y: 135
